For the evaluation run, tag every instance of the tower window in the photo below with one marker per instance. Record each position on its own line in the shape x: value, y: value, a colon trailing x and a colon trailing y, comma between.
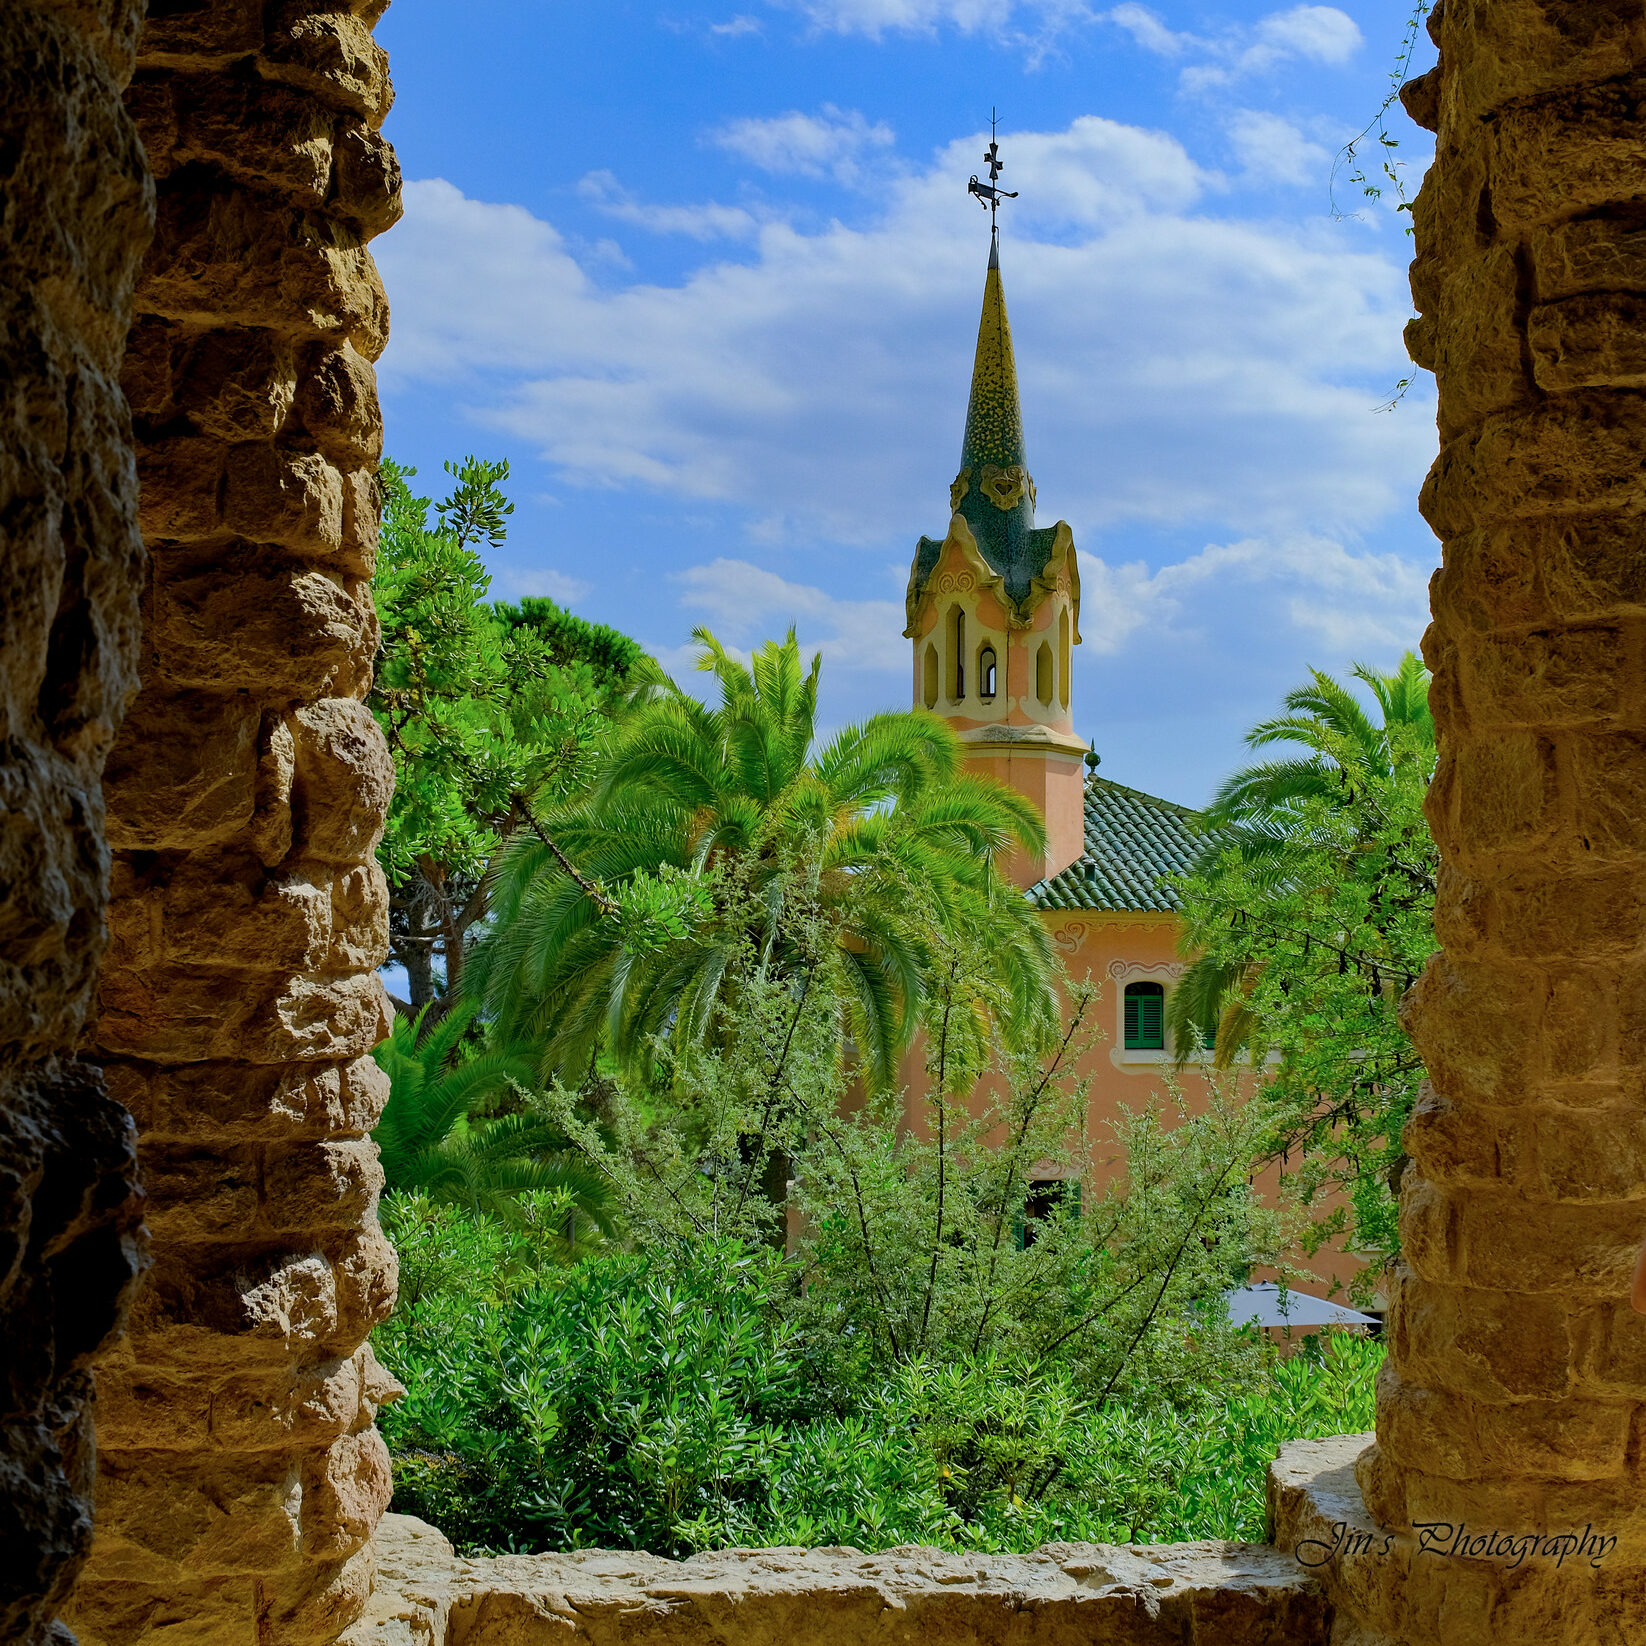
x: 986, y: 672
x: 929, y: 684
x: 1043, y: 673
x: 1063, y: 657
x: 957, y: 642
x: 1145, y: 1017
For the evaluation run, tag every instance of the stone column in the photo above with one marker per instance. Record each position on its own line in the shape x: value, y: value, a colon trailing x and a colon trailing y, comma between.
x: 76, y: 210
x: 240, y: 1476
x: 1514, y: 1399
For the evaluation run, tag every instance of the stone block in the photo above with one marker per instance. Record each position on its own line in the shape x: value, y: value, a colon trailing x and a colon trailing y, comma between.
x: 331, y: 55
x: 362, y: 522
x: 270, y: 835
x: 1553, y: 916
x: 1590, y: 567
x: 1502, y: 795
x: 277, y: 496
x: 1609, y: 779
x: 1504, y: 50
x: 1478, y: 1028
x: 234, y: 385
x: 225, y: 257
x: 193, y: 38
x: 1596, y: 341
x: 359, y: 919
x: 183, y: 771
x: 179, y: 481
x: 286, y: 633
x: 224, y: 1612
x: 1568, y: 154
x: 1474, y: 1145
x: 366, y: 1274
x: 366, y: 180
x: 344, y: 781
x: 1494, y: 1345
x: 1502, y: 1241
x: 1590, y: 254
x: 308, y: 1019
x: 225, y: 910
x: 201, y: 1195
x: 345, y: 1491
x: 1609, y: 1350
x: 237, y: 1103
x: 163, y: 1517
x: 258, y: 135
x: 339, y: 407
x: 1549, y: 677
x: 279, y: 1409
x: 1571, y: 456
x: 321, y: 1186
x: 1474, y: 342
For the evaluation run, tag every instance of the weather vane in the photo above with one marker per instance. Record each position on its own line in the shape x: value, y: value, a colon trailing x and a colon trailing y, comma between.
x: 990, y: 194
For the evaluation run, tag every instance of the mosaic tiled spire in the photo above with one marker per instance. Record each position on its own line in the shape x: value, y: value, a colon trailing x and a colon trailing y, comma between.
x: 993, y: 489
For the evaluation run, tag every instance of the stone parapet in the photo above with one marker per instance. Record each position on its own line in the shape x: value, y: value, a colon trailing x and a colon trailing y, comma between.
x: 240, y: 1475
x: 1186, y: 1594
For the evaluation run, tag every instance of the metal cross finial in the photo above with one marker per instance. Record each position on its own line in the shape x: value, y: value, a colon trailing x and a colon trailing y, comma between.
x: 988, y: 194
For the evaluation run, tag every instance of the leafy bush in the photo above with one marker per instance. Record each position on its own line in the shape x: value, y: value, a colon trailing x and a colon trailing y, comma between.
x: 670, y: 1401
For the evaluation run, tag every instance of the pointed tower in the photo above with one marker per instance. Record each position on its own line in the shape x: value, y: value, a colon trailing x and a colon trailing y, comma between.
x: 994, y: 608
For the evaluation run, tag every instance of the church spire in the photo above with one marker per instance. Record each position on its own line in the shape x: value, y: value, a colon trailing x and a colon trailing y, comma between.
x: 993, y: 489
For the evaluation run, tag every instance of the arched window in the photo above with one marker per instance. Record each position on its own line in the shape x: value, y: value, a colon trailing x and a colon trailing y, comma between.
x: 986, y: 672
x: 1043, y: 673
x: 957, y: 652
x: 1063, y: 657
x: 1145, y: 1017
x: 929, y: 684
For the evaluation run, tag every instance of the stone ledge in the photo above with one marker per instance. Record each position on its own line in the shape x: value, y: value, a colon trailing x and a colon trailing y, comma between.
x: 1185, y: 1594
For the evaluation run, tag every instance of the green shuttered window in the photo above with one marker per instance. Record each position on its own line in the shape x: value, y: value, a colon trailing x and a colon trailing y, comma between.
x: 1145, y: 1017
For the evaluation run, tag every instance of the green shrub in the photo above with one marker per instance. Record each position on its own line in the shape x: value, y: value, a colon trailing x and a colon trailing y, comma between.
x: 668, y: 1401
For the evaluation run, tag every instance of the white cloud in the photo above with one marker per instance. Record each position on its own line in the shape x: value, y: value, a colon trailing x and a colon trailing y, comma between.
x: 735, y: 27
x: 1331, y: 594
x: 1182, y: 371
x: 1029, y: 22
x: 746, y: 603
x: 1271, y: 148
x: 705, y: 222
x: 1310, y: 34
x: 829, y: 143
x: 1148, y: 30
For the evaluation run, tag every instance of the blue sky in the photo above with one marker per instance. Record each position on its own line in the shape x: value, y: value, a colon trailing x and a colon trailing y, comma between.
x: 707, y: 274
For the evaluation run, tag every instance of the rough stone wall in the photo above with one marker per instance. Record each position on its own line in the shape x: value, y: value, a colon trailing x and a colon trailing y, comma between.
x: 1065, y: 1594
x: 76, y: 210
x: 240, y: 1476
x: 1515, y: 1395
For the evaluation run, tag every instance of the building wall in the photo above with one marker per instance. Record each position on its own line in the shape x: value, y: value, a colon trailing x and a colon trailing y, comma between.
x: 76, y: 210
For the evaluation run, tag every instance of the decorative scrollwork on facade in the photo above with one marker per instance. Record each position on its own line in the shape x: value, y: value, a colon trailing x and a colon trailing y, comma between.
x: 1006, y: 488
x: 1069, y: 938
x: 955, y: 583
x: 1119, y: 969
x: 962, y: 485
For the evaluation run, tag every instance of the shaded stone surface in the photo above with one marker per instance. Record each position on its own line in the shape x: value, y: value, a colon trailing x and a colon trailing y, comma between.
x: 76, y: 210
x: 239, y: 1474
x: 1185, y: 1594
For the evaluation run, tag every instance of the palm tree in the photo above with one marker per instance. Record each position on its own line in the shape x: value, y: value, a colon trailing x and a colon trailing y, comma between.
x: 1269, y: 815
x: 434, y: 1137
x: 876, y: 839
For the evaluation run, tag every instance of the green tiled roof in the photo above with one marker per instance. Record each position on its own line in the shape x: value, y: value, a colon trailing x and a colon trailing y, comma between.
x: 1133, y: 841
